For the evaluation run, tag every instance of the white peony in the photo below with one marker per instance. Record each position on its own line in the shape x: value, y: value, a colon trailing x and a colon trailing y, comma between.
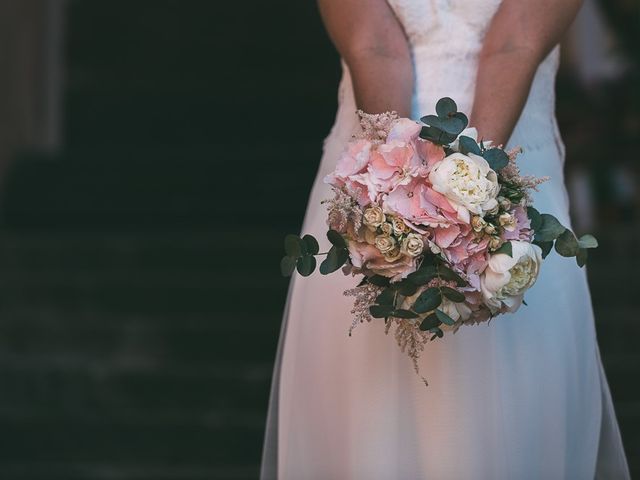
x: 506, y: 278
x: 468, y: 183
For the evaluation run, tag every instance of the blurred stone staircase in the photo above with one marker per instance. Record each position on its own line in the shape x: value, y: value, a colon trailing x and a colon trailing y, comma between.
x: 139, y: 313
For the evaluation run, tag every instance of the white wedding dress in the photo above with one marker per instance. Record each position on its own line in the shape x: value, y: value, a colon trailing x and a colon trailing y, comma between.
x: 524, y: 397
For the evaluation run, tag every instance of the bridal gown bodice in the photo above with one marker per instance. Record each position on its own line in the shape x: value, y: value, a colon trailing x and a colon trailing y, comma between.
x: 523, y: 397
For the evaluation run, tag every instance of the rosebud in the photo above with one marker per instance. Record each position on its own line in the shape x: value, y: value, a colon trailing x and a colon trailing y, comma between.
x: 478, y: 223
x: 373, y: 217
x: 495, y: 242
x: 490, y: 229
x: 507, y: 221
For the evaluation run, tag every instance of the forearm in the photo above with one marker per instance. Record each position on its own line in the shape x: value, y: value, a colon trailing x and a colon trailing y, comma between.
x: 382, y: 83
x: 502, y: 87
x: 521, y: 35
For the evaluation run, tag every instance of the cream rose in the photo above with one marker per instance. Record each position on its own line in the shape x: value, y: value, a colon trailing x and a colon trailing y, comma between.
x: 399, y: 227
x: 412, y: 245
x: 467, y: 182
x: 506, y: 278
x: 373, y: 217
x: 385, y: 243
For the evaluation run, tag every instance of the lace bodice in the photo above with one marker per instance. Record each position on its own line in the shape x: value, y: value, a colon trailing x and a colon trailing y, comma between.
x: 446, y: 37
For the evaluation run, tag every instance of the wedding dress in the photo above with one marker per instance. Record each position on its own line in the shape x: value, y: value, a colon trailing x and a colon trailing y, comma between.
x: 524, y: 397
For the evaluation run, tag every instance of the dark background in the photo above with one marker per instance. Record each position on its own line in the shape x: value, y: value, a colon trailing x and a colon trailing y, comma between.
x: 140, y: 294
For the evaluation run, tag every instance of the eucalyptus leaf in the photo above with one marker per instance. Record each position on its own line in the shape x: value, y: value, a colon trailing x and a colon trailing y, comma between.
x: 588, y: 241
x: 550, y: 229
x: 448, y: 274
x: 444, y: 318
x: 506, y: 248
x: 544, y: 246
x: 452, y: 125
x: 582, y: 256
x: 445, y: 107
x: 423, y: 275
x: 464, y: 121
x: 567, y: 244
x: 428, y: 300
x: 335, y: 259
x: 468, y: 145
x: 407, y: 288
x: 387, y: 297
x: 380, y: 311
x: 293, y: 246
x: 431, y: 321
x: 306, y: 265
x: 287, y: 266
x: 437, y: 333
x: 311, y: 244
x: 437, y: 136
x: 336, y: 239
x: 536, y: 219
x: 400, y: 313
x: 496, y: 158
x: 453, y: 294
x: 378, y: 280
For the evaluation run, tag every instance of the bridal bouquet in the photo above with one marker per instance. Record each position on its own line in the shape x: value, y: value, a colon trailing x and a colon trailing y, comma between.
x: 440, y: 225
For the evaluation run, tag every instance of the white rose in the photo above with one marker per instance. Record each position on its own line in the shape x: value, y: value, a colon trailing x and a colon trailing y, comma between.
x: 385, y: 243
x: 412, y: 245
x: 506, y: 278
x: 468, y: 183
x: 399, y: 227
x: 373, y: 217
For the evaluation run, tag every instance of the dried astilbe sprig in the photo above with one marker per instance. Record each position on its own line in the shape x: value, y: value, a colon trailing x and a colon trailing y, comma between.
x: 411, y: 340
x: 343, y: 211
x: 364, y: 296
x: 375, y: 126
x: 511, y: 173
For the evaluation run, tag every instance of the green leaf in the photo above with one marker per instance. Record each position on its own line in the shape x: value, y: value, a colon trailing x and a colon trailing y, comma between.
x: 428, y: 300
x: 550, y: 229
x: 378, y: 280
x: 400, y: 313
x: 447, y: 274
x: 452, y: 125
x: 468, y: 145
x: 306, y: 265
x: 387, y: 297
x: 437, y: 333
x: 536, y: 219
x: 431, y: 321
x: 444, y: 318
x: 505, y: 248
x: 445, y: 107
x: 336, y: 258
x: 311, y: 244
x: 496, y: 158
x: 581, y: 257
x: 423, y: 275
x: 293, y: 246
x: 336, y: 239
x: 437, y: 136
x: 453, y: 295
x: 406, y: 287
x: 588, y: 241
x: 380, y: 311
x: 567, y: 244
x: 463, y: 120
x: 544, y: 246
x: 287, y: 266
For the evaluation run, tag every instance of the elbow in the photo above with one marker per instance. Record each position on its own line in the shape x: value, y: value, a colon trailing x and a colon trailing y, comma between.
x: 378, y: 50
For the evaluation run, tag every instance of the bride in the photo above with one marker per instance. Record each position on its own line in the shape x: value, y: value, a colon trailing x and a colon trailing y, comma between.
x: 524, y: 397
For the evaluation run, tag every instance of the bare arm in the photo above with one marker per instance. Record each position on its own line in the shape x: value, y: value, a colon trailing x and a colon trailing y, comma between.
x: 521, y: 35
x: 372, y: 42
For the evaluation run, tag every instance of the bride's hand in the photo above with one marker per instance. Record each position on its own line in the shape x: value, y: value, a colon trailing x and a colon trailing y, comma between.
x: 372, y: 43
x: 521, y: 35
